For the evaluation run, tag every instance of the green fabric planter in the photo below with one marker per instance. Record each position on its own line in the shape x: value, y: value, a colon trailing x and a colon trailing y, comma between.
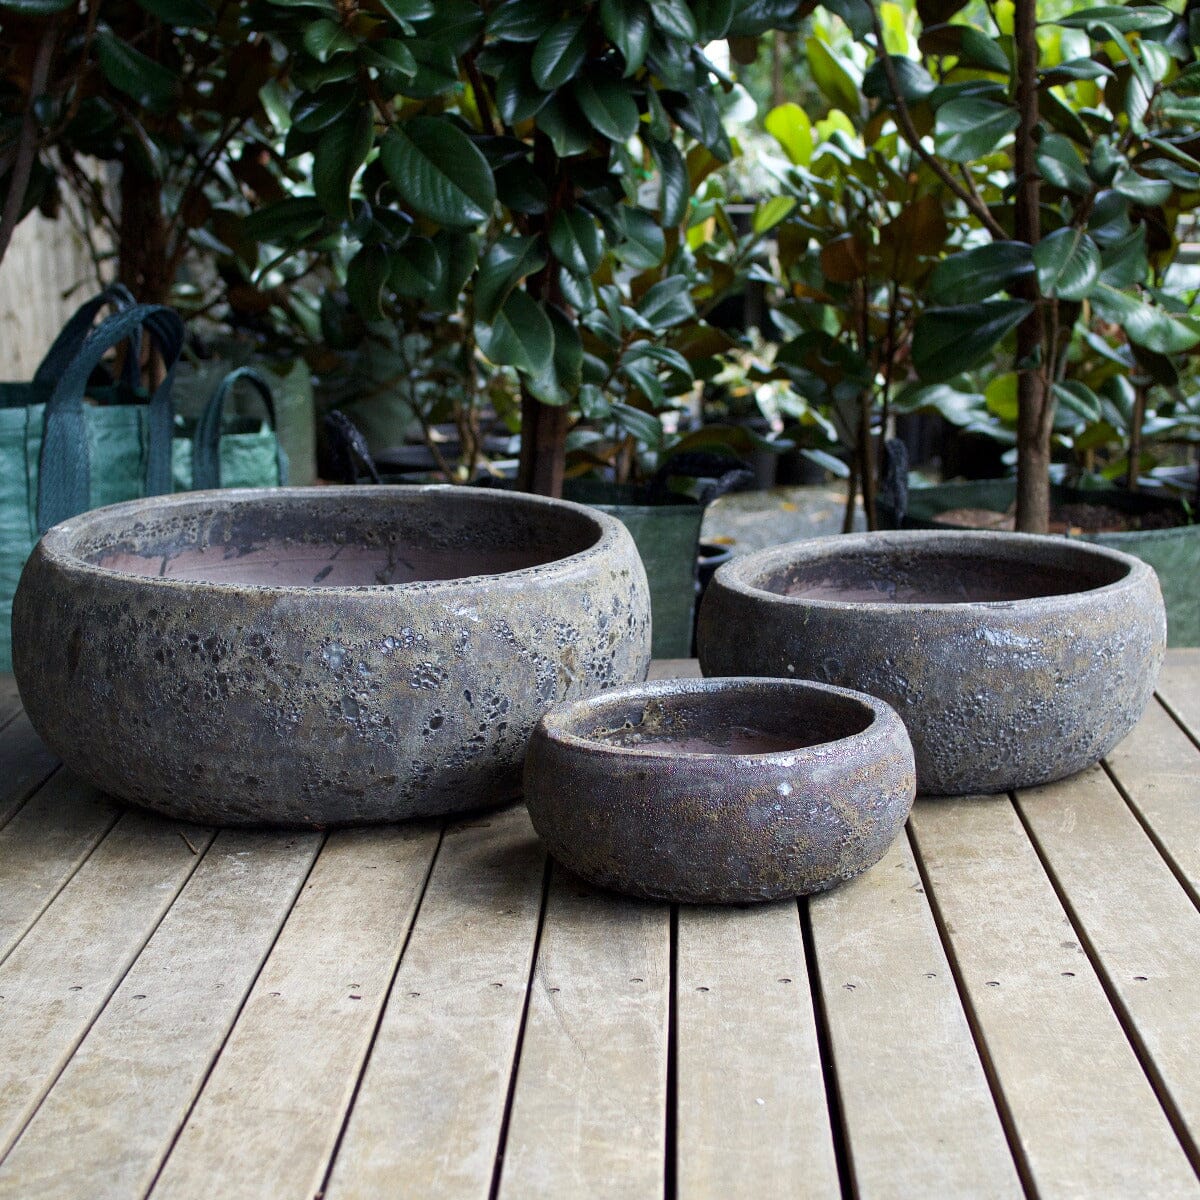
x: 1173, y: 553
x: 667, y: 536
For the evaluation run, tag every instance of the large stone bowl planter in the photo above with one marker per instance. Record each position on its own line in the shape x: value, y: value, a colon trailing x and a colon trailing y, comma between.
x: 720, y: 790
x: 321, y: 656
x: 1012, y: 659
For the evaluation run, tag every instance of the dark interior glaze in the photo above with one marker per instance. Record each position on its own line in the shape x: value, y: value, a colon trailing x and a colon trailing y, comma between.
x: 388, y: 536
x: 738, y: 721
x: 934, y: 575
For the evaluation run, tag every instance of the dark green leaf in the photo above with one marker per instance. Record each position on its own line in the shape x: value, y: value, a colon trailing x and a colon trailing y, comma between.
x: 517, y: 97
x: 459, y: 253
x: 506, y: 263
x: 675, y: 19
x: 642, y: 245
x: 290, y: 220
x: 519, y: 336
x: 575, y: 241
x: 391, y: 54
x: 627, y: 25
x: 559, y: 53
x: 1144, y: 323
x: 324, y: 38
x: 520, y: 188
x: 937, y: 12
x: 562, y: 123
x: 183, y: 14
x: 416, y: 269
x: 1060, y: 165
x: 607, y: 104
x: 667, y: 303
x: 1077, y: 399
x: 980, y: 272
x: 404, y: 12
x: 837, y: 82
x: 561, y: 383
x: 1105, y: 161
x: 521, y: 20
x: 437, y: 70
x: 1068, y: 264
x: 454, y: 24
x: 315, y: 112
x: 1062, y: 117
x: 341, y: 151
x: 645, y: 427
x: 1123, y: 19
x: 754, y: 17
x: 713, y: 18
x: 1076, y: 68
x: 914, y: 81
x: 698, y: 115
x: 969, y: 129
x: 578, y: 293
x: 948, y: 341
x: 1187, y: 82
x: 142, y: 79
x: 366, y: 274
x: 1124, y: 263
x: 979, y: 50
x: 1181, y: 177
x: 439, y: 171
x: 674, y: 190
x: 1109, y: 220
x: 1140, y: 190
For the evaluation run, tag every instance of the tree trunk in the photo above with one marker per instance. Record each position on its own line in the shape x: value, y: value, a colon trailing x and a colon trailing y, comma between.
x: 1035, y: 396
x: 543, y: 446
x: 142, y: 250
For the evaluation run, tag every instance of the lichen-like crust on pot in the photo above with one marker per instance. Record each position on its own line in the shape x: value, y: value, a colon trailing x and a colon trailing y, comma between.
x: 720, y: 790
x: 1012, y: 659
x: 321, y: 656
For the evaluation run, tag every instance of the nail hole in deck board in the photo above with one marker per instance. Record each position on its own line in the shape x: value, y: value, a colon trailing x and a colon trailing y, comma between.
x: 497, y: 985
x: 635, y: 979
x: 784, y: 979
x: 140, y: 996
x: 552, y: 989
x: 272, y: 993
x: 1068, y: 974
x: 993, y: 983
x: 353, y: 997
x: 848, y: 986
x: 702, y: 989
x: 1140, y: 978
x: 1070, y: 945
x: 930, y: 974
x: 413, y: 995
x: 76, y: 988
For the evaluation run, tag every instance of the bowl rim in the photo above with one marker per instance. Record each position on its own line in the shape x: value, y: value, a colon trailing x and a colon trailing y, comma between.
x: 734, y: 575
x: 884, y: 725
x: 56, y: 544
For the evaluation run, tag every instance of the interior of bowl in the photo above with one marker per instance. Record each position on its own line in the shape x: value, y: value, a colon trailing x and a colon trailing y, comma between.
x: 753, y: 718
x: 332, y: 537
x: 985, y: 569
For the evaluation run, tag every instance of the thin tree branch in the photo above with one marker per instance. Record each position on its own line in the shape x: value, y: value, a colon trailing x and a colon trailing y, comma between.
x: 913, y: 138
x: 18, y: 181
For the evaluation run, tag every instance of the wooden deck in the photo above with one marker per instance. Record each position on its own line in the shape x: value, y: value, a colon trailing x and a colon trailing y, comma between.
x: 1007, y: 1005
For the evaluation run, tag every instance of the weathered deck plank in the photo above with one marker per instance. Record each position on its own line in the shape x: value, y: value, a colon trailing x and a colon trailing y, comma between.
x: 589, y: 1108
x: 1084, y: 1116
x: 1151, y: 967
x: 108, y: 1122
x: 918, y: 1114
x: 428, y: 1116
x: 24, y: 764
x: 752, y: 1111
x: 1156, y: 767
x: 43, y: 846
x: 270, y: 1113
x: 1179, y: 687
x: 64, y: 970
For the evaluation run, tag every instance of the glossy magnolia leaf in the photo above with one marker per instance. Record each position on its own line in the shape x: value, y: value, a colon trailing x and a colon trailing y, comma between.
x: 455, y: 24
x: 956, y: 406
x: 1123, y: 19
x: 437, y: 70
x: 915, y: 83
x: 667, y: 303
x: 628, y: 26
x: 37, y: 8
x: 559, y: 53
x: 1187, y: 82
x: 1184, y: 179
x: 980, y: 272
x: 459, y: 254
x: 183, y: 14
x: 290, y: 220
x: 517, y: 97
x: 643, y: 243
x: 713, y: 18
x: 316, y: 112
x: 391, y: 54
x: 607, y: 104
x: 1061, y: 166
x: 969, y: 129
x: 520, y: 188
x: 1068, y: 264
x: 562, y: 123
x: 1140, y: 190
x: 698, y: 115
x: 439, y: 171
x: 341, y: 151
x: 406, y: 11
x: 979, y: 50
x: 575, y: 241
x: 768, y: 214
x: 1124, y: 263
x: 506, y: 263
x: 673, y: 182
x: 949, y: 341
x: 324, y: 38
x: 844, y: 258
x: 833, y: 76
x: 1075, y: 398
x: 521, y: 20
x: 790, y: 126
x: 1076, y: 68
x: 938, y: 12
x: 675, y: 19
x: 520, y: 335
x: 416, y: 269
x: 645, y: 427
x: 366, y: 274
x: 142, y: 79
x: 1144, y: 323
x: 912, y: 238
x: 754, y: 17
x: 560, y: 383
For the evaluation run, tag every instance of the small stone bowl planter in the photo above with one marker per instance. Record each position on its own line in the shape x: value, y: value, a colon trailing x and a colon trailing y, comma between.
x: 321, y: 656
x: 1013, y: 659
x: 720, y: 790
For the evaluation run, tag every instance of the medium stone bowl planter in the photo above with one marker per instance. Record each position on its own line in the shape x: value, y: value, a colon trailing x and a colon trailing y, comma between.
x: 321, y: 656
x: 1012, y: 659
x: 720, y: 790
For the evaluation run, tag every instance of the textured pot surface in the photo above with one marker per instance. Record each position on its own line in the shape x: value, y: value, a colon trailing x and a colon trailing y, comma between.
x: 321, y: 656
x: 1012, y: 659
x: 720, y: 790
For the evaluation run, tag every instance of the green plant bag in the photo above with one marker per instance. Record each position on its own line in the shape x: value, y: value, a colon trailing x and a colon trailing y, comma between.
x: 60, y: 456
x: 238, y: 453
